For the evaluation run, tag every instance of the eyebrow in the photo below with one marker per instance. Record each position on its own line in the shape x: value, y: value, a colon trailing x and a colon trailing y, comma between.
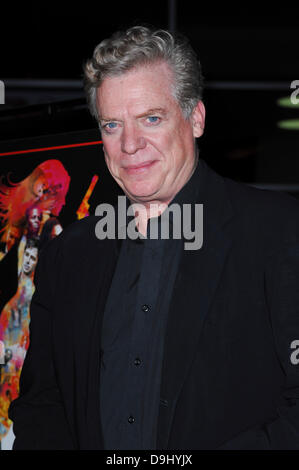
x: 152, y: 111
x: 149, y: 112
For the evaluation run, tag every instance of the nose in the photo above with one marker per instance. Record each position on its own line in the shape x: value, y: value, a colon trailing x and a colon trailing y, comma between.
x: 132, y: 139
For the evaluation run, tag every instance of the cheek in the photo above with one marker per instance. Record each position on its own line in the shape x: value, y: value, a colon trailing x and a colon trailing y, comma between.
x: 111, y: 154
x: 167, y: 146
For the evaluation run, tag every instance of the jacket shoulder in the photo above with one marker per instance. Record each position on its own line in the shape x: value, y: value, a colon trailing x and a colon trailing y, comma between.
x: 248, y: 198
x: 269, y: 212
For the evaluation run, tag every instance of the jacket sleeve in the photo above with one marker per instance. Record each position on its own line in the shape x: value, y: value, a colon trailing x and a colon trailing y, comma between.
x: 38, y: 415
x: 282, y: 294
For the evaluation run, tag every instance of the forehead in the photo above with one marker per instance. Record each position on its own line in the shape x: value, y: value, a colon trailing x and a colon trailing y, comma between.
x: 31, y: 251
x: 34, y: 212
x: 147, y: 86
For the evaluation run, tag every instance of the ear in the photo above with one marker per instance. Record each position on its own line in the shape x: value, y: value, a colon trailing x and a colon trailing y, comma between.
x: 198, y: 119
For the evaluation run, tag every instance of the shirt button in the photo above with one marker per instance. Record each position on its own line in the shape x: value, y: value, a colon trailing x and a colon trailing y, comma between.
x: 145, y: 308
x: 137, y: 361
x: 131, y: 419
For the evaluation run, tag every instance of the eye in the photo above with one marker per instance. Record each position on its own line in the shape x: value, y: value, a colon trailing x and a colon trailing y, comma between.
x: 153, y: 119
x: 109, y: 127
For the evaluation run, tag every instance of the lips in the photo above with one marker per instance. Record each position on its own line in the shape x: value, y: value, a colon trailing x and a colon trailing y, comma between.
x: 140, y: 168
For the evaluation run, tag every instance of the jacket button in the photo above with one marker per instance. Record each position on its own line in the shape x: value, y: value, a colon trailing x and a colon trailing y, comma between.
x: 145, y: 308
x: 137, y: 361
x: 131, y: 419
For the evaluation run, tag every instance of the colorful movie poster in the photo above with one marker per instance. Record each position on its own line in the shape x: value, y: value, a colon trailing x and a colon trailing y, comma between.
x: 63, y: 183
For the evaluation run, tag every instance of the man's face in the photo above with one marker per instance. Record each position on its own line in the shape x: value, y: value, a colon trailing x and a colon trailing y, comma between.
x: 149, y: 146
x: 34, y: 220
x: 29, y: 260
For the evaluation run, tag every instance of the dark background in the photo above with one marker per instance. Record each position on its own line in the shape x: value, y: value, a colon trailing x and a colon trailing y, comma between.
x: 249, y: 56
x: 52, y: 39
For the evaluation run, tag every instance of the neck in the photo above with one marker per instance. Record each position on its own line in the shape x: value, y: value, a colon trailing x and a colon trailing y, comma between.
x: 144, y: 212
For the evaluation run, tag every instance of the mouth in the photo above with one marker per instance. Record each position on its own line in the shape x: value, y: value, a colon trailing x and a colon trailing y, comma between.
x: 140, y: 168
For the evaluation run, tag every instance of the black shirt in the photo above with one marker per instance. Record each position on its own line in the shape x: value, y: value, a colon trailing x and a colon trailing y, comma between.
x: 133, y: 333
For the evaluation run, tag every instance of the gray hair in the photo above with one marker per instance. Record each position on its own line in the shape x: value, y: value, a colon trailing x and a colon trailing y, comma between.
x: 138, y: 46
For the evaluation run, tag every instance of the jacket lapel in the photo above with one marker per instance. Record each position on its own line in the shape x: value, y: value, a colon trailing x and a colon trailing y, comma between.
x: 198, y: 275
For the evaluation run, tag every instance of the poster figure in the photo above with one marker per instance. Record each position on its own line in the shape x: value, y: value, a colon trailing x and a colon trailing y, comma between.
x: 14, y: 333
x: 34, y: 217
x: 46, y: 187
x: 29, y: 213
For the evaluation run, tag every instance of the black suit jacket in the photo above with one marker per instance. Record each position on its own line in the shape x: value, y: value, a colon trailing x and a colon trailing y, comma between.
x: 228, y: 381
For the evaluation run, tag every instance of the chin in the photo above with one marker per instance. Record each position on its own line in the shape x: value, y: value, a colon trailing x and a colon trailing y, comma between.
x: 142, y: 191
x: 141, y: 197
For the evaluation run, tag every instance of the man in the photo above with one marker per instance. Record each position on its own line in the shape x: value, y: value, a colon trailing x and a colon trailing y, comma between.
x: 34, y: 217
x: 30, y: 257
x: 143, y: 344
x: 14, y: 318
